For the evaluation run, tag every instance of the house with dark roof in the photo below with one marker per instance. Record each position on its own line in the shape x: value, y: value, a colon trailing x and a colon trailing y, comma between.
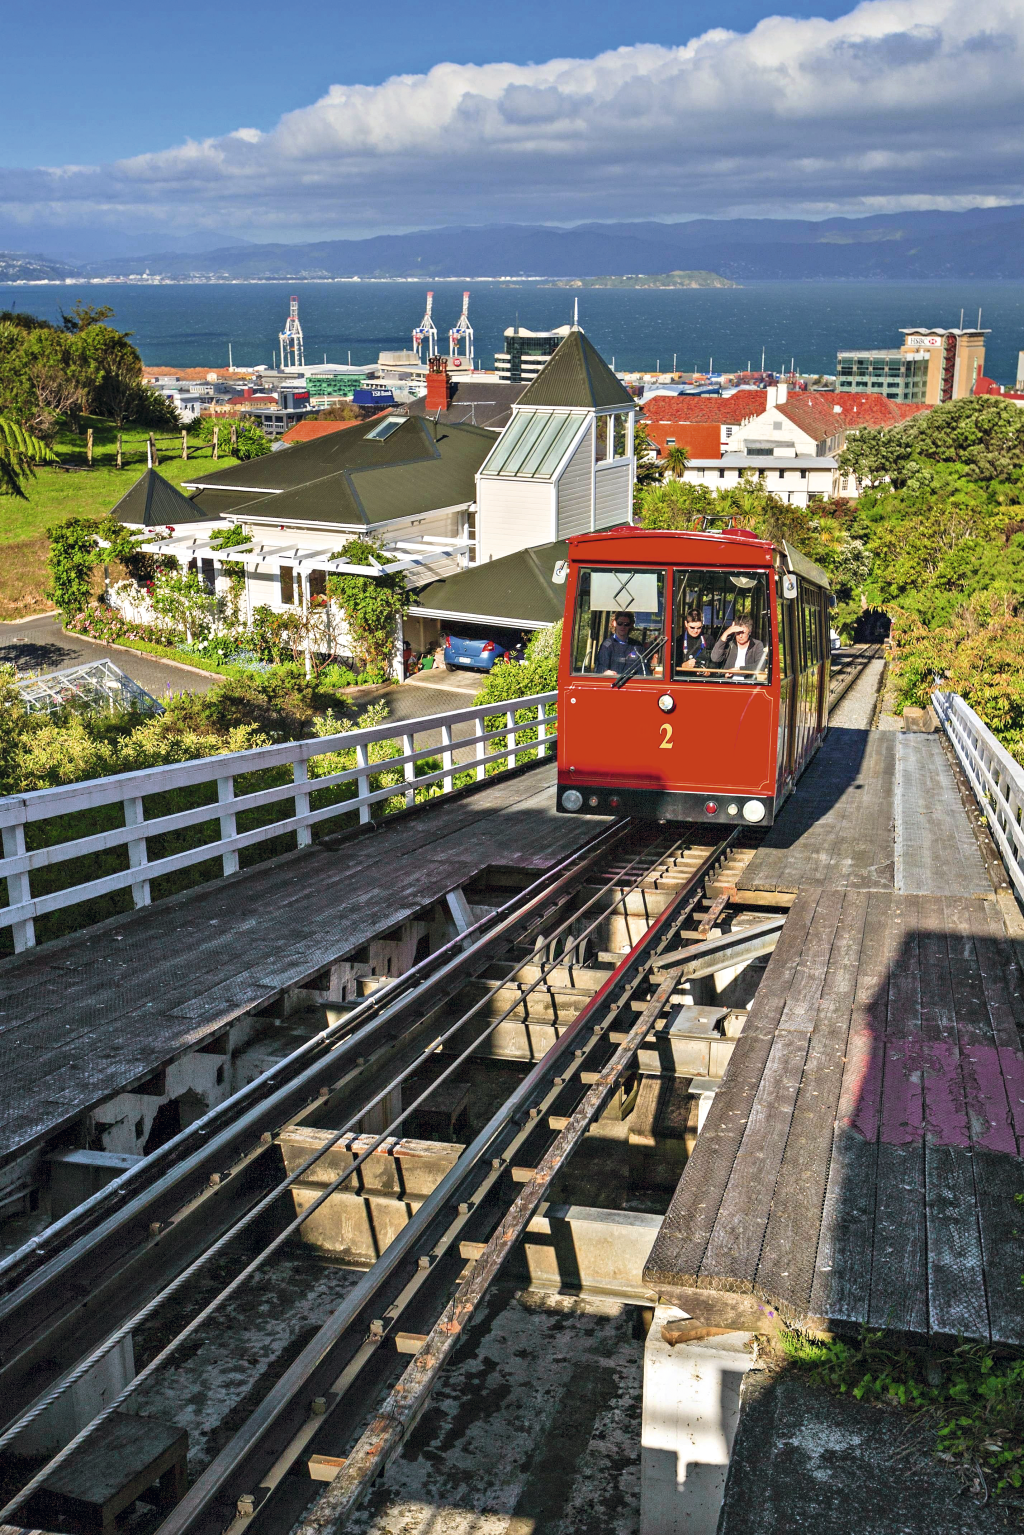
x: 452, y: 400
x: 565, y: 462
x: 153, y: 502
x: 526, y: 588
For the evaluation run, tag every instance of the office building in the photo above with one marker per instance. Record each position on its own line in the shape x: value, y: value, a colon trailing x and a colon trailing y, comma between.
x: 526, y: 352
x: 932, y: 365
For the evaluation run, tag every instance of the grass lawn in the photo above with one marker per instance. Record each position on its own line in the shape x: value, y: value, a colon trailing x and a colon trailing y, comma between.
x: 75, y: 490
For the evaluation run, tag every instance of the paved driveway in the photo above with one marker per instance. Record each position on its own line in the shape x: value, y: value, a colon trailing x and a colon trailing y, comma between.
x: 41, y: 645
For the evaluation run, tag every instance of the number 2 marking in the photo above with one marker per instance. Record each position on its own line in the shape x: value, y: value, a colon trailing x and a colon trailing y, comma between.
x: 666, y: 738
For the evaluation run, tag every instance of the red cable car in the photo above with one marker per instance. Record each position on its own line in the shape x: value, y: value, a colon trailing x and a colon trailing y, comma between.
x: 693, y: 679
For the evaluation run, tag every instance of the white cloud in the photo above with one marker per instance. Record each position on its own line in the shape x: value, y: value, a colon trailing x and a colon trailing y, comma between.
x: 899, y: 104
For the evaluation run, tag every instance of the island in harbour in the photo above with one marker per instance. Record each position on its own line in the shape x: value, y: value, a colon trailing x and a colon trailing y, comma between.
x: 642, y: 280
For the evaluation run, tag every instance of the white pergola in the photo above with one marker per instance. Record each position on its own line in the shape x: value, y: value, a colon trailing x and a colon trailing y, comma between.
x: 299, y: 553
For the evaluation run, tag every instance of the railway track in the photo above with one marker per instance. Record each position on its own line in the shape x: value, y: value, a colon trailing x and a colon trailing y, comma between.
x: 551, y: 988
x: 523, y: 1039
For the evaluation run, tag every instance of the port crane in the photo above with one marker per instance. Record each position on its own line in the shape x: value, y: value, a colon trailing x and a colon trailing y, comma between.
x: 426, y: 331
x: 462, y: 332
x: 291, y: 338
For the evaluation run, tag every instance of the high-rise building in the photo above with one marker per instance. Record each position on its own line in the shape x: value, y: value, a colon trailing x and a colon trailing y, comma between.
x: 526, y: 352
x: 932, y: 365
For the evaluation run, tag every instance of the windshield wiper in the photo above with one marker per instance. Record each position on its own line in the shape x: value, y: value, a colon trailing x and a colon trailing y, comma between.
x: 642, y: 658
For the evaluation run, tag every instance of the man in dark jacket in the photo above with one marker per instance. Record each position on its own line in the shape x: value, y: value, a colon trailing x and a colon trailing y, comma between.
x: 618, y: 652
x: 692, y: 649
x: 736, y: 651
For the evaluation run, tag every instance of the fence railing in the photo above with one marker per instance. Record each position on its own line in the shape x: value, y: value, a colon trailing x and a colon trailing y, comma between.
x: 458, y: 753
x: 996, y: 778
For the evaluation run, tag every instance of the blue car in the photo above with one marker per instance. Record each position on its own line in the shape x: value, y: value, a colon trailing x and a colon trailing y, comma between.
x: 477, y: 650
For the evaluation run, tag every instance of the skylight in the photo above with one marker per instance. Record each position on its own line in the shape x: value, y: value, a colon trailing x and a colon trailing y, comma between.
x: 532, y: 445
x: 384, y: 429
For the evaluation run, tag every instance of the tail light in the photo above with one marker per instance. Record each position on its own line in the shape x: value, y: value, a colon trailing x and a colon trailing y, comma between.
x: 447, y: 642
x: 488, y: 647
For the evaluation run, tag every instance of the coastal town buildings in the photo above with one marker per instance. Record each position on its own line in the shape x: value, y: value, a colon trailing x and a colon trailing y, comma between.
x: 526, y: 352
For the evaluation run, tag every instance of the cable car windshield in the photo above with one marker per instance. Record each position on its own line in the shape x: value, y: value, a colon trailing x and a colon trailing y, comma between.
x: 619, y: 630
x: 722, y: 629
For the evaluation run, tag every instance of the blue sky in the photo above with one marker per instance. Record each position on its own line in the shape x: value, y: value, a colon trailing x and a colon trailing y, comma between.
x: 269, y: 123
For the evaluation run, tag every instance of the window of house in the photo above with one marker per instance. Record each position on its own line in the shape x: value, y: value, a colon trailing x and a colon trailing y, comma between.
x: 782, y: 474
x: 602, y: 436
x: 287, y: 586
x: 317, y: 584
x: 721, y: 474
x: 208, y: 576
x: 671, y: 442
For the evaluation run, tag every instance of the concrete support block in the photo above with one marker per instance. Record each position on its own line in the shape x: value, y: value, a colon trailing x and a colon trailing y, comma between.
x: 61, y: 1421
x: 76, y: 1176
x: 690, y: 1412
x: 577, y: 1250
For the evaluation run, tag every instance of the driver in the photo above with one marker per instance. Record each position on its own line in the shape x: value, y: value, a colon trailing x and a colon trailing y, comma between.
x: 618, y: 653
x: 737, y: 651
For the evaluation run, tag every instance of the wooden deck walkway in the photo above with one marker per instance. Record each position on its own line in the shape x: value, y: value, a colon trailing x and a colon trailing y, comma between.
x: 862, y: 1161
x: 97, y: 1013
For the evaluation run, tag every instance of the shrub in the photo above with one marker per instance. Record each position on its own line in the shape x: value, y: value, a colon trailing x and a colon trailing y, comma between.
x: 372, y: 607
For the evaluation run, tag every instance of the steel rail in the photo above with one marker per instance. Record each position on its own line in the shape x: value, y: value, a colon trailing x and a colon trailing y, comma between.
x: 211, y: 1482
x: 262, y: 1205
x: 390, y: 1427
x: 225, y: 1115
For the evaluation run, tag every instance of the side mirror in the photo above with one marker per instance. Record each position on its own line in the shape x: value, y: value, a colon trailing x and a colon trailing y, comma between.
x: 788, y: 585
x: 560, y: 572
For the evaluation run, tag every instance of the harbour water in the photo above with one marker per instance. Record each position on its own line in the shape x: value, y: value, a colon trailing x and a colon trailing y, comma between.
x: 190, y: 325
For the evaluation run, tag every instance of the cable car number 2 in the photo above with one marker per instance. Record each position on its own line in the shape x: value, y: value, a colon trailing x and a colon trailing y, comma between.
x: 666, y: 738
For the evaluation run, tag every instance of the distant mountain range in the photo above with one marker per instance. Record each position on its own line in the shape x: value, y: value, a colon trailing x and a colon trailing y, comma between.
x: 980, y: 243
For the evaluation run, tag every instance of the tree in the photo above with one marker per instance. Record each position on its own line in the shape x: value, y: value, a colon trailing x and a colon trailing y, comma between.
x: 372, y: 607
x: 344, y: 412
x: 677, y: 459
x: 74, y: 553
x: 649, y: 469
x: 19, y: 454
x: 83, y: 315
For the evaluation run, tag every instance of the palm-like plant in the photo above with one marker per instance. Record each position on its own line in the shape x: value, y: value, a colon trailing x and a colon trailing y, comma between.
x: 19, y: 454
x: 677, y: 459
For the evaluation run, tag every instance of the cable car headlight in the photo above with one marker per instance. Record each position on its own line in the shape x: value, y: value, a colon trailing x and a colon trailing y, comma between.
x: 666, y: 703
x: 753, y: 810
x: 572, y: 799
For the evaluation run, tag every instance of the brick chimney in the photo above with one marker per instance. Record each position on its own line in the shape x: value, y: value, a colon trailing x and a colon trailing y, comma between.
x: 439, y: 385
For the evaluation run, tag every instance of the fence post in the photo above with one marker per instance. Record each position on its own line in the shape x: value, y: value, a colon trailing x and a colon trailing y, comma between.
x: 138, y: 856
x: 446, y: 758
x: 363, y: 784
x: 153, y: 460
x: 18, y: 889
x: 510, y: 738
x: 120, y: 459
x: 228, y: 824
x: 481, y: 749
x: 409, y: 771
x: 88, y: 447
x: 184, y: 444
x: 542, y: 730
x: 300, y: 775
x: 216, y: 436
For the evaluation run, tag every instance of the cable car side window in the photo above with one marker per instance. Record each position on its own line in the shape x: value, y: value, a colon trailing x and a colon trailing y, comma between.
x: 619, y: 627
x: 722, y: 626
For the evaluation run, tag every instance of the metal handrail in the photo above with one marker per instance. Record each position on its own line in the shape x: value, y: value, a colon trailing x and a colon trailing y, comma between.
x: 996, y: 778
x: 131, y: 790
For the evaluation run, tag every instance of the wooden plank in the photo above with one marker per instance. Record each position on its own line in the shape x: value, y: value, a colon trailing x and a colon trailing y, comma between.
x: 956, y: 1283
x: 787, y: 1263
x: 680, y: 1247
x: 841, y: 1288
x: 899, y: 1249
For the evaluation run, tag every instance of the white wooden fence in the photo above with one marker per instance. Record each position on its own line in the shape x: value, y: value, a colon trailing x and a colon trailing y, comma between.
x: 475, y: 751
x: 996, y: 778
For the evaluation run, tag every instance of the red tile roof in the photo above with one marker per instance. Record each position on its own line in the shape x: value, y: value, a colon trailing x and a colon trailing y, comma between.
x: 306, y: 431
x: 817, y: 413
x: 694, y: 409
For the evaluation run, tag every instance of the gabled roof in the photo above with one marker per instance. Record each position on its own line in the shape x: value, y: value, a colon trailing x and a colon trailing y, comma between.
x: 353, y: 479
x: 825, y: 412
x: 696, y: 409
x: 577, y: 376
x: 153, y: 502
x: 516, y: 589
